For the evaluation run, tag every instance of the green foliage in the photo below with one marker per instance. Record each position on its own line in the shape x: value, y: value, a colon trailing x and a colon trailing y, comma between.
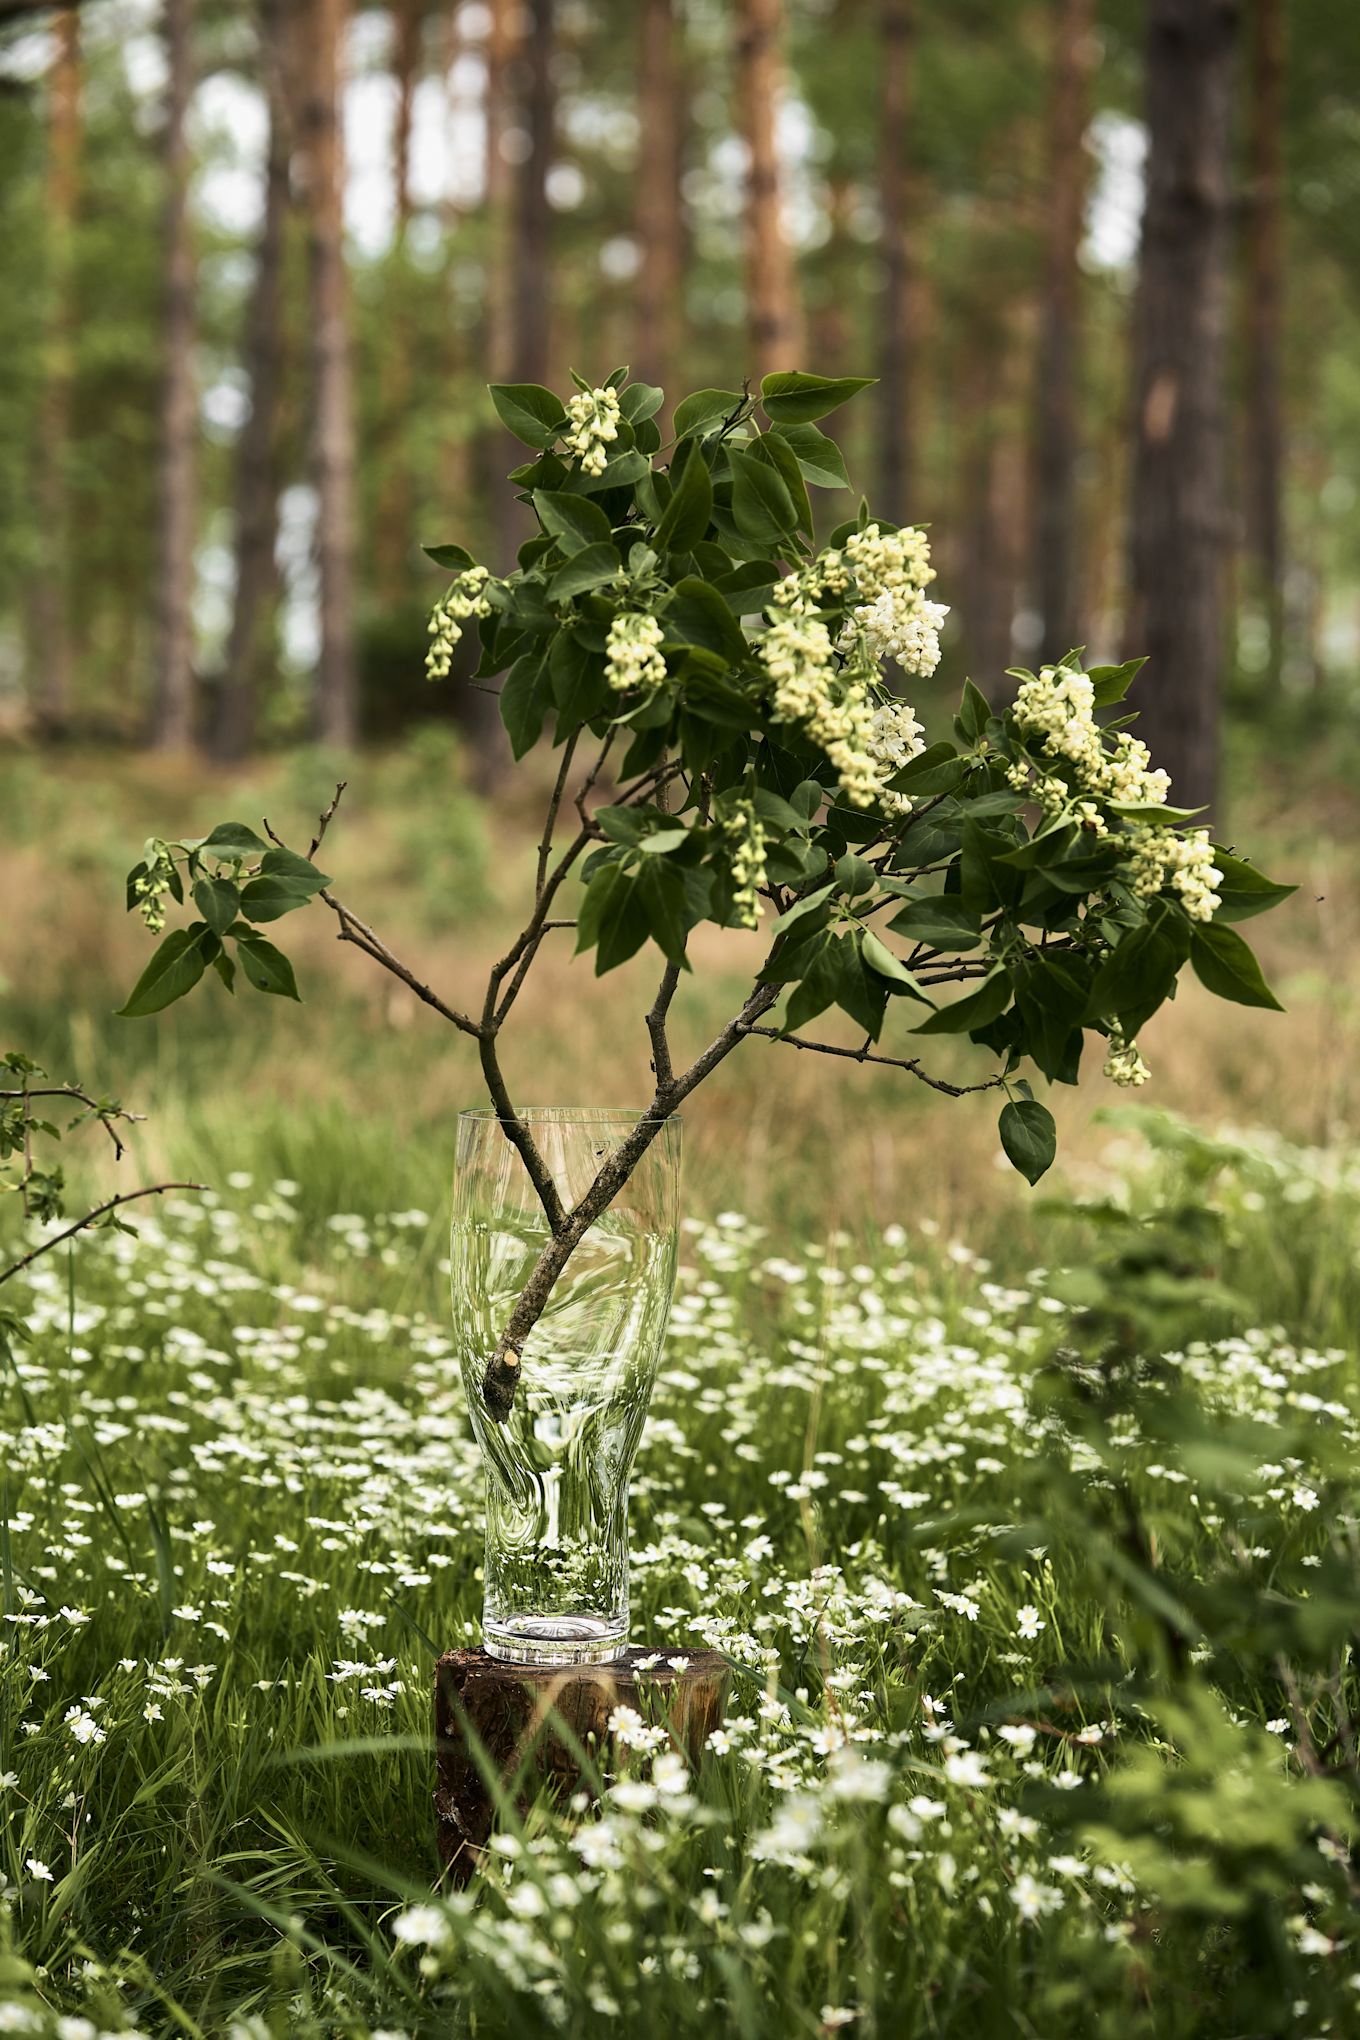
x: 675, y: 610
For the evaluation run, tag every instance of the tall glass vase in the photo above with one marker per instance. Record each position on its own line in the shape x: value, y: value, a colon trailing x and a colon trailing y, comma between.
x: 557, y: 1469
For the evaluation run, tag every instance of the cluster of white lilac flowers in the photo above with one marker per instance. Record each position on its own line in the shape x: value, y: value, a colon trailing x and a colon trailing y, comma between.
x: 745, y: 833
x: 465, y: 597
x: 592, y: 427
x: 830, y: 689
x: 633, y: 658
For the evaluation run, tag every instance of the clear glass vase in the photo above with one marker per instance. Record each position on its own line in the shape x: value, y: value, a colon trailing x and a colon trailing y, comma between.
x: 557, y: 1469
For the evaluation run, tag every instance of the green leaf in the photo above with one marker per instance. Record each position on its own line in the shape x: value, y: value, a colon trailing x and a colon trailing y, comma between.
x: 704, y: 411
x: 611, y: 920
x: 270, y: 898
x: 659, y: 890
x: 574, y: 521
x: 175, y: 969
x: 941, y: 921
x: 794, y: 398
x: 526, y: 693
x: 641, y: 400
x: 821, y: 460
x: 818, y: 988
x: 455, y: 557
x: 697, y: 615
x: 300, y: 871
x: 938, y: 769
x: 218, y: 900
x: 980, y: 1007
x: 591, y: 568
x: 1112, y: 683
x: 1227, y: 966
x: 226, y: 970
x: 974, y: 714
x: 879, y: 957
x: 532, y: 413
x: 1029, y: 1137
x: 860, y: 991
x: 1244, y: 891
x: 799, y: 908
x: 685, y: 518
x: 761, y: 505
x: 773, y: 452
x: 623, y: 471
x: 854, y: 875
x: 1136, y: 977
x: 233, y: 839
x: 578, y: 684
x: 266, y: 967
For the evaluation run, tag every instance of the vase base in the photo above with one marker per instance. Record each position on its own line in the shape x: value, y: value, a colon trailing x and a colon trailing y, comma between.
x: 555, y: 1640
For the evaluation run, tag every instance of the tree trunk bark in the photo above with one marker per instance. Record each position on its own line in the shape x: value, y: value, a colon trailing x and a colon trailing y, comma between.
x: 660, y: 218
x: 533, y: 286
x: 1179, y: 525
x: 51, y: 662
x: 527, y: 1723
x: 900, y: 311
x: 1057, y: 577
x: 1264, y: 493
x: 172, y: 725
x: 336, y: 712
x: 771, y: 284
x: 392, y: 540
x: 257, y: 481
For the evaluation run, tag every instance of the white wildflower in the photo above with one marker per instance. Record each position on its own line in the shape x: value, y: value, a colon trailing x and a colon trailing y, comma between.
x: 1124, y: 1063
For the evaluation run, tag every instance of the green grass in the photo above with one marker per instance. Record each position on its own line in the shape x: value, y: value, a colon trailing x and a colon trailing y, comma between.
x: 239, y: 1491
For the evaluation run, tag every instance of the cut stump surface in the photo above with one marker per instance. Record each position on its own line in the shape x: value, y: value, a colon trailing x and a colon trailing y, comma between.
x: 527, y: 1721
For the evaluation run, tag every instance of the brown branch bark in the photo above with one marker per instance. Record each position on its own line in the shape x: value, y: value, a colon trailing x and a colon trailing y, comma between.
x: 889, y: 1062
x: 90, y: 1218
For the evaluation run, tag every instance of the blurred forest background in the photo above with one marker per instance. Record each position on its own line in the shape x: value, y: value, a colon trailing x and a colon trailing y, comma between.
x: 259, y: 258
x: 258, y: 261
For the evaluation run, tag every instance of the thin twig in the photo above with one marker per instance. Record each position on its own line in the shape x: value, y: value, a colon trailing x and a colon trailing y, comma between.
x: 862, y: 1055
x: 90, y: 1218
x: 352, y: 929
x: 105, y: 1118
x: 545, y: 845
x: 326, y: 820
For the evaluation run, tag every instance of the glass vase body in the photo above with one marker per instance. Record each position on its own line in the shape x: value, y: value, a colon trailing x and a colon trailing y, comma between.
x: 558, y: 1468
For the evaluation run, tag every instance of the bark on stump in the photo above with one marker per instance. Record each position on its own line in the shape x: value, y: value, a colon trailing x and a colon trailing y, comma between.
x: 527, y: 1722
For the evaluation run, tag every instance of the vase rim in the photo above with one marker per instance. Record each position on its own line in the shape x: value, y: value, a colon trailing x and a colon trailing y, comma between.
x: 567, y: 1114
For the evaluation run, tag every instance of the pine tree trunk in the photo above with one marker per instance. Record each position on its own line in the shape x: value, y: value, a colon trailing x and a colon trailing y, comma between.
x: 172, y: 724
x: 336, y: 713
x: 660, y: 219
x: 1264, y: 492
x: 1057, y: 408
x: 533, y: 287
x: 257, y: 481
x: 51, y: 663
x: 1179, y: 525
x: 392, y: 540
x: 771, y: 286
x: 899, y: 313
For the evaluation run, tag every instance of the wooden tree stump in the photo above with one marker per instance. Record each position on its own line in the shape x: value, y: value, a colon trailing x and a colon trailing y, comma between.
x: 530, y: 1721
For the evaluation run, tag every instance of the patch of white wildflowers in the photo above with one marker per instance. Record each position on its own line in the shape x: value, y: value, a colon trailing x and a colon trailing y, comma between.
x: 633, y: 657
x: 833, y: 710
x: 592, y: 427
x: 466, y: 597
x: 897, y: 737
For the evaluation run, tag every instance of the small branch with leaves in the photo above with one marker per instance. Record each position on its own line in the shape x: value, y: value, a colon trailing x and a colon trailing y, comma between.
x: 40, y: 1185
x: 676, y: 622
